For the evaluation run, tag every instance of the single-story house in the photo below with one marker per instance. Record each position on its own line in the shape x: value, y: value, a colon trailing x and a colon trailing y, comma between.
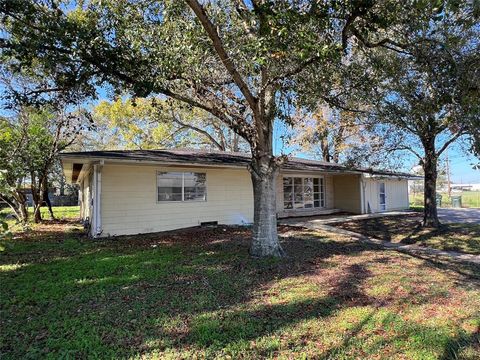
x: 142, y: 191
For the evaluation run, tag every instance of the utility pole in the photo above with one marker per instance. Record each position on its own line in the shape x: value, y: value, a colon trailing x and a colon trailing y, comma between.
x: 449, y: 186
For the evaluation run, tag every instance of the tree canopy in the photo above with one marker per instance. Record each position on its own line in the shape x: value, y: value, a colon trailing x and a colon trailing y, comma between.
x: 347, y: 137
x: 429, y: 89
x: 143, y: 123
x: 248, y: 64
x: 29, y: 144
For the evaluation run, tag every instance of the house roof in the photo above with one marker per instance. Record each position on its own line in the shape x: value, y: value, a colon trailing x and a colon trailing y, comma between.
x: 207, y: 157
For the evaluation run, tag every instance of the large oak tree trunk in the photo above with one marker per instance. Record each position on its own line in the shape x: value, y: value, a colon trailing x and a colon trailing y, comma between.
x: 430, y: 216
x: 265, y: 238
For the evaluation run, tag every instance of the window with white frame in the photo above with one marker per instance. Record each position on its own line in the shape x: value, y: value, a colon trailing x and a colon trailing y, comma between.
x: 181, y: 186
x: 303, y: 192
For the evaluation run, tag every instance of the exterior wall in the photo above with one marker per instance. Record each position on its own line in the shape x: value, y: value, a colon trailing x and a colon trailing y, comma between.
x: 396, y: 191
x: 129, y: 200
x: 347, y: 193
x: 85, y: 198
x: 329, y: 196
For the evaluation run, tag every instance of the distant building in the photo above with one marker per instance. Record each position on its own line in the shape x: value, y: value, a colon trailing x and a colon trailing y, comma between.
x: 466, y: 187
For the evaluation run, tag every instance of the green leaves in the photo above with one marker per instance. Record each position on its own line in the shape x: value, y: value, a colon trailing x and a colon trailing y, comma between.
x: 5, y: 233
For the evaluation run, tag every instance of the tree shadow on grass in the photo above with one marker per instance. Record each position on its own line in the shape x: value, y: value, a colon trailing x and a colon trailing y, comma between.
x: 449, y: 237
x: 408, y: 230
x: 375, y: 227
x: 386, y: 228
x: 249, y: 322
x: 199, y: 289
x: 392, y: 333
x: 125, y: 290
x: 467, y: 345
x: 468, y: 271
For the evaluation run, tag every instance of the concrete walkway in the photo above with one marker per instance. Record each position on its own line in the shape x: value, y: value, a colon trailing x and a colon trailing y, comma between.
x: 332, y: 219
x: 412, y: 249
x: 471, y: 216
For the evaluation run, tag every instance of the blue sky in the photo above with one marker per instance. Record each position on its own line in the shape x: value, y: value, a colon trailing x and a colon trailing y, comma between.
x: 461, y: 163
x: 461, y: 167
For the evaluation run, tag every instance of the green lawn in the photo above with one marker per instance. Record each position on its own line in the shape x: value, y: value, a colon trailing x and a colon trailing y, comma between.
x: 408, y: 230
x: 198, y: 294
x: 470, y: 199
x: 60, y: 212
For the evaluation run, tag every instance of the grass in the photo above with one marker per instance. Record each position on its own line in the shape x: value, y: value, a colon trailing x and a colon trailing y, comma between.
x: 60, y: 212
x: 470, y: 199
x: 408, y: 230
x: 198, y: 294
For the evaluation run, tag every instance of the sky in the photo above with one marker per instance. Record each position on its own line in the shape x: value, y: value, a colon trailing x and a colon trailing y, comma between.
x: 461, y: 168
x: 461, y: 164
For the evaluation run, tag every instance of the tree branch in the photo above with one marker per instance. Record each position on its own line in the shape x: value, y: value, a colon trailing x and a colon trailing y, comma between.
x: 337, y: 104
x: 407, y: 148
x: 243, y: 128
x: 292, y: 72
x: 219, y: 48
x: 200, y: 131
x: 242, y: 10
x: 386, y: 43
x: 450, y: 141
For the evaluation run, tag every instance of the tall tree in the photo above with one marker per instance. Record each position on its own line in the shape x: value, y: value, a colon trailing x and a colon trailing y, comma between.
x: 31, y: 141
x: 156, y: 123
x: 47, y: 132
x: 240, y: 61
x: 12, y: 170
x: 430, y: 89
x: 346, y: 137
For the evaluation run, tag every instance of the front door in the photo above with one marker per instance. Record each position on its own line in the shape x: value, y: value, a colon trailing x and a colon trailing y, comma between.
x: 382, y: 196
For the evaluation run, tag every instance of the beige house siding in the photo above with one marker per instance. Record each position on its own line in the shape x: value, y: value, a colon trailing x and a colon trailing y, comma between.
x: 85, y: 197
x: 347, y: 194
x: 397, y: 194
x: 371, y: 196
x: 330, y: 192
x: 396, y: 191
x: 129, y: 200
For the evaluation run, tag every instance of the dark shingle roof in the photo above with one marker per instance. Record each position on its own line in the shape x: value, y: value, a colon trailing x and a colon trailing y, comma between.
x: 208, y: 157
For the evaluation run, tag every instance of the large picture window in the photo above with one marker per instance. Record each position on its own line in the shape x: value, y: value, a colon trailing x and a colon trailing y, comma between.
x: 181, y: 186
x: 303, y: 192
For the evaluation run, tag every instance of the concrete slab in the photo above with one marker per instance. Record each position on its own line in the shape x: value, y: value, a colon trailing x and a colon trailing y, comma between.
x: 339, y: 218
x: 321, y: 224
x: 463, y: 215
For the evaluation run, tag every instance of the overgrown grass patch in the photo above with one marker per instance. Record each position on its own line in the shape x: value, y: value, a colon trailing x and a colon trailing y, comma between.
x: 197, y: 293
